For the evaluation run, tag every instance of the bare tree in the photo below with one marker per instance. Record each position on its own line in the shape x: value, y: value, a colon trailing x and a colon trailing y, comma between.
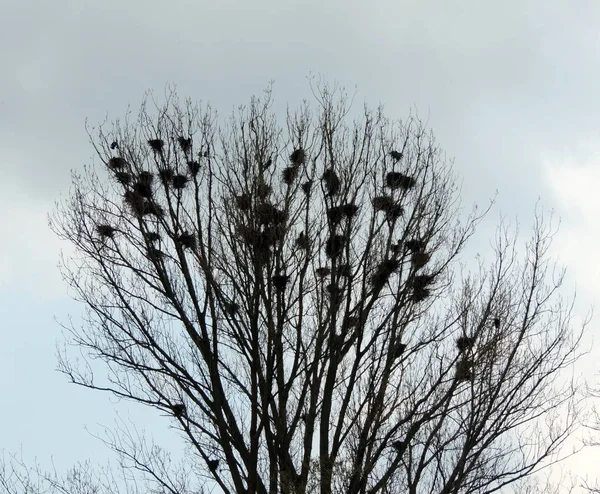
x: 292, y: 297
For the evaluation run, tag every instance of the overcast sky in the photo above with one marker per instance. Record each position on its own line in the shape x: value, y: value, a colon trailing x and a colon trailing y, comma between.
x: 510, y: 89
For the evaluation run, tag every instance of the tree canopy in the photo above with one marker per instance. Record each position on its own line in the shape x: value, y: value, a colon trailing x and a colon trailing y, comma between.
x: 292, y: 296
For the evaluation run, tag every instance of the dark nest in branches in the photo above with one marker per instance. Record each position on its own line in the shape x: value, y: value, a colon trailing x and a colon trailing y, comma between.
x: 394, y: 212
x: 350, y: 210
x: 335, y: 245
x: 344, y: 270
x: 338, y: 213
x: 179, y: 410
x: 156, y: 145
x: 465, y: 343
x: 263, y: 189
x: 336, y: 294
x: 322, y: 271
x: 166, y: 175
x: 415, y: 245
x: 105, y: 231
x: 398, y: 445
x: 422, y: 281
x: 298, y: 157
x: 420, y: 259
x: 188, y: 240
x: 383, y: 272
x: 231, y: 308
x: 386, y: 204
x: 289, y: 174
x: 420, y: 295
x: 185, y: 144
x: 143, y: 185
x: 117, y: 163
x: 155, y: 254
x: 193, y: 167
x: 141, y: 206
x: 152, y: 236
x: 279, y: 281
x: 398, y: 349
x: 260, y: 242
x: 243, y: 202
x: 331, y: 181
x: 397, y: 180
x: 464, y: 370
x: 268, y: 214
x: 302, y: 241
x: 306, y: 186
x: 179, y: 182
x: 123, y: 178
x: 396, y: 155
x: 352, y: 322
x: 335, y: 214
x: 397, y: 247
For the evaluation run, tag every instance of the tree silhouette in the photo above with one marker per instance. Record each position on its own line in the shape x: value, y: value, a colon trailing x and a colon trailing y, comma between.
x: 293, y: 300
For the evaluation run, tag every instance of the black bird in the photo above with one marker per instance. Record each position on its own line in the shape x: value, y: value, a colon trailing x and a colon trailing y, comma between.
x: 114, y: 145
x: 496, y: 322
x: 213, y: 464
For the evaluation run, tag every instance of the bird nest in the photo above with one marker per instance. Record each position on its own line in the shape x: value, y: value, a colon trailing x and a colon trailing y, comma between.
x: 344, y: 270
x: 398, y: 349
x: 419, y: 259
x: 420, y: 295
x: 306, y: 186
x: 338, y: 213
x: 386, y: 204
x: 152, y: 237
x: 156, y: 145
x: 322, y: 271
x: 298, y: 156
x: 334, y: 246
x: 142, y: 207
x: 188, y: 240
x: 415, y: 245
x: 289, y: 174
x: 243, y: 202
x: 269, y: 214
x: 179, y: 410
x: 464, y: 370
x: 143, y: 185
x: 123, y: 178
x: 117, y: 163
x: 383, y: 272
x: 280, y: 281
x: 185, y: 144
x: 302, y: 242
x: 465, y: 343
x: 179, y: 182
x: 331, y: 181
x: 396, y: 155
x: 166, y: 175
x: 397, y: 180
x: 105, y: 231
x: 193, y: 167
x: 420, y: 282
x: 155, y: 254
x: 263, y: 189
